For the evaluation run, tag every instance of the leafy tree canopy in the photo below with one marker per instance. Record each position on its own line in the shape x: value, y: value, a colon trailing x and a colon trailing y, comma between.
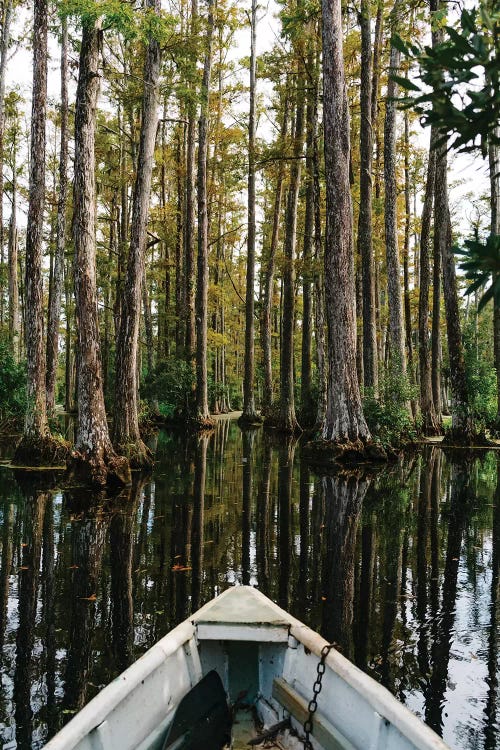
x: 457, y: 87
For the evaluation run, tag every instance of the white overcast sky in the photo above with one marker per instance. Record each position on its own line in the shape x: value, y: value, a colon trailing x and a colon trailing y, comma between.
x: 468, y: 175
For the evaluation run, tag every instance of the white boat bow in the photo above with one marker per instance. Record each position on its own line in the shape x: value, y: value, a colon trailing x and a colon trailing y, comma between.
x: 262, y: 653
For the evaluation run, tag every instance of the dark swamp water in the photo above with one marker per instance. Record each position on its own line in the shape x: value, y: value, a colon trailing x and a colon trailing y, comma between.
x: 401, y: 569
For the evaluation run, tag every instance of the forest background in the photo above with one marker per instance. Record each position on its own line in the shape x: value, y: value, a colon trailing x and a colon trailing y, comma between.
x: 210, y: 282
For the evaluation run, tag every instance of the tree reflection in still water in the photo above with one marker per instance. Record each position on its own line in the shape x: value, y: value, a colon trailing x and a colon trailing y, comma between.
x: 400, y: 568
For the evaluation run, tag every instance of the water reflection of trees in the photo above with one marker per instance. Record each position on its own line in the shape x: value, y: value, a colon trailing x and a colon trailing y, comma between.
x: 372, y: 562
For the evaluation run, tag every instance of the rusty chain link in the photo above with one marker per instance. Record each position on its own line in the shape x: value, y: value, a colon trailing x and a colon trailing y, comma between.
x: 313, y: 703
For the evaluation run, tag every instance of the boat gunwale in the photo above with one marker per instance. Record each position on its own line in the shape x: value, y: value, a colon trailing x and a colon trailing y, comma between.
x: 376, y: 695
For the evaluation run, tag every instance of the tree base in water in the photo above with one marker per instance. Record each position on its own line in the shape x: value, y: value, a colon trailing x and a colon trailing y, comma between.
x: 41, y: 451
x: 250, y: 420
x: 329, y: 454
x: 100, y: 471
x: 138, y: 454
x: 199, y: 424
x: 275, y: 421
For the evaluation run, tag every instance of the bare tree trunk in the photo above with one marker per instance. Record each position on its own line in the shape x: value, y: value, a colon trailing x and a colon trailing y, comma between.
x: 462, y: 418
x: 319, y: 299
x: 287, y: 421
x: 37, y: 447
x: 365, y: 238
x: 13, y: 247
x: 203, y: 415
x: 126, y: 432
x: 55, y: 297
x: 430, y: 424
x: 406, y: 263
x: 345, y: 423
x: 494, y: 168
x: 265, y: 324
x: 436, y: 334
x: 249, y: 414
x: 307, y: 401
x: 4, y: 51
x: 189, y: 243
x: 396, y: 328
x: 94, y: 457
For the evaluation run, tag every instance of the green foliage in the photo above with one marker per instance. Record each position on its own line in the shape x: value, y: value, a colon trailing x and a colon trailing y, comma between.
x: 481, y: 264
x: 388, y: 417
x: 481, y: 376
x: 459, y: 90
x: 122, y: 18
x: 172, y: 384
x: 12, y: 388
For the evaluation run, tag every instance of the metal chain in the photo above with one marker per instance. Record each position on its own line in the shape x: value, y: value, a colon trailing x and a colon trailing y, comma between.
x: 313, y: 703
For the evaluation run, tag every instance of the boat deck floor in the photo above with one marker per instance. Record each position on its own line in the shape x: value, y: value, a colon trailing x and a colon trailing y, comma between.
x: 245, y: 730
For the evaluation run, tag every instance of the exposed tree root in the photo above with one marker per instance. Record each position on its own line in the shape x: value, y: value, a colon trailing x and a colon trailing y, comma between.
x: 329, y: 455
x: 138, y: 454
x: 250, y: 420
x: 200, y: 424
x: 105, y: 469
x: 41, y: 451
x: 274, y: 421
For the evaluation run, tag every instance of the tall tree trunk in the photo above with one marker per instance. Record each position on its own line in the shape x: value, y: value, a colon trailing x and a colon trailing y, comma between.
x: 436, y: 333
x: 126, y: 432
x: 203, y: 415
x: 345, y: 422
x: 365, y: 238
x: 287, y: 421
x: 55, y: 297
x: 494, y: 169
x: 249, y: 414
x: 267, y: 296
x: 430, y: 424
x: 4, y: 51
x: 462, y: 419
x: 307, y: 400
x: 13, y: 246
x: 319, y: 299
x: 189, y: 238
x: 37, y: 446
x: 94, y: 457
x: 406, y: 262
x: 396, y: 327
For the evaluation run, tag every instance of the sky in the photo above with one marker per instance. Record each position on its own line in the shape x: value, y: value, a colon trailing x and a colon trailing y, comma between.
x: 468, y: 175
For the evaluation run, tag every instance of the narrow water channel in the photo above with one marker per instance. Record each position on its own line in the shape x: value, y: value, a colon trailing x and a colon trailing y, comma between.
x: 400, y: 568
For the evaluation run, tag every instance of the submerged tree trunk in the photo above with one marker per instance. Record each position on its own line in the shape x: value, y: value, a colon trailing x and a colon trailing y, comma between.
x: 249, y: 413
x: 203, y: 415
x: 365, y: 238
x: 126, y: 432
x: 345, y: 423
x: 396, y: 327
x: 430, y: 425
x: 94, y: 458
x: 57, y: 285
